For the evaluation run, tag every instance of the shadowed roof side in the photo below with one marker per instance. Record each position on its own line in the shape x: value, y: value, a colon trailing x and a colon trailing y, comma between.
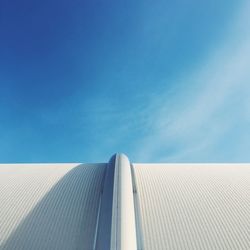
x: 49, y: 206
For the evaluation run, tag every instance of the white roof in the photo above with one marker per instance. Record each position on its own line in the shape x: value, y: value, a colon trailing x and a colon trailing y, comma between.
x: 194, y: 206
x: 52, y: 206
x: 121, y: 205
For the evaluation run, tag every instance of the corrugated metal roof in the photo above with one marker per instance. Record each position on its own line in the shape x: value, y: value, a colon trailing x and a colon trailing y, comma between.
x: 194, y: 206
x: 121, y: 205
x: 52, y: 206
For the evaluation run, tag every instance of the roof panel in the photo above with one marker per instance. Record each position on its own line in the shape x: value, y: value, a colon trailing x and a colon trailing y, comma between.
x: 194, y: 206
x: 49, y: 206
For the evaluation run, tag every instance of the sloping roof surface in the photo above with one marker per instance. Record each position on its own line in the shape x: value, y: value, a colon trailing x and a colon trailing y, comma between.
x: 124, y: 206
x: 49, y: 206
x: 194, y: 206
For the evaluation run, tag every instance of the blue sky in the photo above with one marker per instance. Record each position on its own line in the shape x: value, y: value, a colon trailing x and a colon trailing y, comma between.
x: 162, y: 81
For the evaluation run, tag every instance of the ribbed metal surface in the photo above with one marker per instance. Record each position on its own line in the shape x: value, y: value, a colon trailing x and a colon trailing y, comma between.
x: 49, y: 206
x: 104, y: 235
x: 194, y: 206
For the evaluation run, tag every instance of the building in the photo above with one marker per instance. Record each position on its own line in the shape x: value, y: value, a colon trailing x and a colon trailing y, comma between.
x: 120, y: 205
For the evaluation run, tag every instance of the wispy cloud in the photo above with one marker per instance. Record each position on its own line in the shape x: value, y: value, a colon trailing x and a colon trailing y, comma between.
x: 212, y: 105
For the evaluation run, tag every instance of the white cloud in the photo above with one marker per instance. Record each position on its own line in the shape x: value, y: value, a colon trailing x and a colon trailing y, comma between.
x: 212, y: 100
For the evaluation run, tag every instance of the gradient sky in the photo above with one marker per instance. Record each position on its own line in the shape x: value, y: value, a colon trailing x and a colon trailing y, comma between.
x: 162, y: 81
